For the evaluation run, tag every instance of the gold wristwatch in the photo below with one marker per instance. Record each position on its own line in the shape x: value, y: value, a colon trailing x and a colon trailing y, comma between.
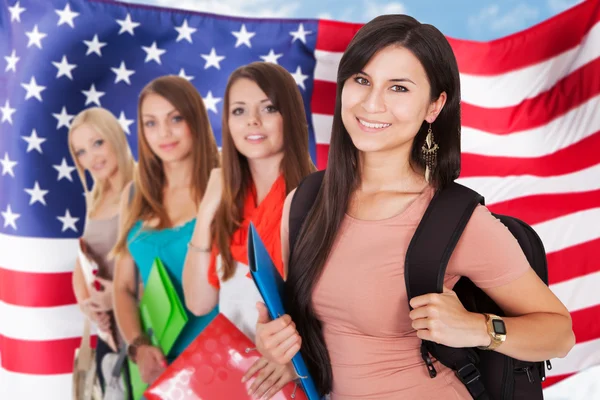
x: 496, y: 330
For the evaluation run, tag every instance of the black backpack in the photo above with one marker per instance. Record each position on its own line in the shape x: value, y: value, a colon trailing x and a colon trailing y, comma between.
x: 488, y: 375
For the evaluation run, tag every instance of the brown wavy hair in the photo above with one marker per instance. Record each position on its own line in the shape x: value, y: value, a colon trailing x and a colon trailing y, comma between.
x: 149, y: 177
x: 280, y: 87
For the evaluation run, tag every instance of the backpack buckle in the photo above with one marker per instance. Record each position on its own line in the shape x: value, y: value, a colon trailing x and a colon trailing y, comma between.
x: 468, y: 374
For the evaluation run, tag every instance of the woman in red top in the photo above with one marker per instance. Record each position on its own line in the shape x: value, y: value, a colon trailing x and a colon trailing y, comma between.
x: 265, y: 156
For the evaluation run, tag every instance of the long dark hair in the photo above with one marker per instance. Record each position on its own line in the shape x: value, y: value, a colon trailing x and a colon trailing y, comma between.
x: 280, y: 87
x: 318, y: 233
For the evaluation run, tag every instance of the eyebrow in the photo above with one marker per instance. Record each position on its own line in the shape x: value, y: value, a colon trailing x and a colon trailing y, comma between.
x: 392, y: 80
x: 242, y: 102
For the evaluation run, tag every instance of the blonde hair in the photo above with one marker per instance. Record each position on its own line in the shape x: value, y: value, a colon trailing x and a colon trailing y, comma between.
x: 106, y: 125
x: 150, y: 179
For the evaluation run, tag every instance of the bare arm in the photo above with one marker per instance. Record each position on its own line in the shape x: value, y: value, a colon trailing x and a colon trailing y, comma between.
x: 125, y: 303
x: 285, y: 232
x: 538, y: 330
x: 79, y: 285
x: 200, y: 296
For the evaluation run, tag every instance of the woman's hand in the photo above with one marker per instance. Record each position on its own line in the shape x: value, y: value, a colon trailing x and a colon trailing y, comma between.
x: 103, y: 299
x: 94, y: 313
x: 441, y: 318
x: 151, y: 362
x: 214, y: 191
x: 271, y: 378
x: 277, y: 340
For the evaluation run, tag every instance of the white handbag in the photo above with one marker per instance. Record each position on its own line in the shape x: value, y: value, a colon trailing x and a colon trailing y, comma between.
x: 86, y: 385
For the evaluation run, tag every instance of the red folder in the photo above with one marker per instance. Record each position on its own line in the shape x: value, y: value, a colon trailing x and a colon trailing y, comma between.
x: 212, y: 367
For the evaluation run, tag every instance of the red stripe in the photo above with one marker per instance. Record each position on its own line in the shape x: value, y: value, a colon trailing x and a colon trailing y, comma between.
x: 531, y: 46
x: 49, y: 357
x: 334, y: 36
x: 567, y: 94
x: 579, y: 156
x: 28, y: 289
x: 323, y: 100
x: 322, y: 154
x: 585, y: 324
x: 574, y: 262
x: 552, y: 206
x: 552, y: 380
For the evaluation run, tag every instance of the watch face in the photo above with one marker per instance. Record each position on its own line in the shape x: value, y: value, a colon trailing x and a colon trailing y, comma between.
x: 499, y: 327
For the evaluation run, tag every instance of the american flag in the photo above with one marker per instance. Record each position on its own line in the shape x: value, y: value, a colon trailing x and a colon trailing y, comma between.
x: 531, y: 134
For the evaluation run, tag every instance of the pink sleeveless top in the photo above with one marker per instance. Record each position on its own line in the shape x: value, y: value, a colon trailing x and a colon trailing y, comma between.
x: 362, y: 303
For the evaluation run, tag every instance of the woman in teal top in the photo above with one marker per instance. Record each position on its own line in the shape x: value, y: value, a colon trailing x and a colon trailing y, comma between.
x: 170, y: 245
x: 177, y: 151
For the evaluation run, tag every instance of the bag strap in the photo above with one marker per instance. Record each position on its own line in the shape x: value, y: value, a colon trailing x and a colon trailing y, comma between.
x: 426, y: 261
x: 302, y: 202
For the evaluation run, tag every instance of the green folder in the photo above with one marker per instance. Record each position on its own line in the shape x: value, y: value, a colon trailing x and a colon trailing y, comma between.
x: 163, y: 317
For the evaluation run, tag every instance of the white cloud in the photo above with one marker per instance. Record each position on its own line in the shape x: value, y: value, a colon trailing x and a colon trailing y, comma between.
x: 369, y: 10
x: 493, y: 19
x: 557, y: 6
x: 324, y: 15
x: 241, y: 8
x: 373, y: 9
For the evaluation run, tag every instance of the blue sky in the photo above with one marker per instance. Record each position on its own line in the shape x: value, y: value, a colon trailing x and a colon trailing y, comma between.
x: 479, y: 20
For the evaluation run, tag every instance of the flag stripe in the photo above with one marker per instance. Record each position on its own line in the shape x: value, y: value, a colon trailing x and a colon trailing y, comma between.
x: 497, y: 189
x: 528, y: 208
x: 48, y: 357
x: 585, y: 324
x: 579, y: 293
x: 534, y: 111
x: 24, y: 386
x: 37, y: 256
x: 35, y: 289
x: 581, y: 155
x: 573, y: 262
x: 38, y: 324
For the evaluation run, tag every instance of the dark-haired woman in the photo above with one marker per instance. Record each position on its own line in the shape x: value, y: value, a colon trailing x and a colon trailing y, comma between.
x: 399, y: 98
x: 265, y: 156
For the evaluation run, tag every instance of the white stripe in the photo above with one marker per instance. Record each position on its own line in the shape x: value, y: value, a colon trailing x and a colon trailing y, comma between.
x: 497, y: 189
x: 37, y: 254
x: 41, y: 323
x: 569, y: 230
x: 29, y: 387
x: 503, y: 90
x: 511, y: 88
x: 564, y: 131
x: 322, y: 125
x: 583, y: 355
x: 579, y: 293
x: 584, y: 385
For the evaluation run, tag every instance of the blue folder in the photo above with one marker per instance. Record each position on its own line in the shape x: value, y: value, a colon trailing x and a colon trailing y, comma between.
x: 271, y: 286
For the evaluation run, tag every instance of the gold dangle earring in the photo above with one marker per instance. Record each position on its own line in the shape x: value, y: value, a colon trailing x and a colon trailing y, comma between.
x: 429, y: 151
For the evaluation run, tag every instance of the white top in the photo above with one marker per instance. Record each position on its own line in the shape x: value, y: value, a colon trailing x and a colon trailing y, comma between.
x: 237, y: 299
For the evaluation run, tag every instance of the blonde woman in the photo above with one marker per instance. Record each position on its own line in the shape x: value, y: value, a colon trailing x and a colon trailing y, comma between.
x: 99, y: 146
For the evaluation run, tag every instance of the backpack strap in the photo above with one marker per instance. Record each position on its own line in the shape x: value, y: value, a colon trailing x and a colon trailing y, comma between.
x: 426, y: 261
x: 302, y: 202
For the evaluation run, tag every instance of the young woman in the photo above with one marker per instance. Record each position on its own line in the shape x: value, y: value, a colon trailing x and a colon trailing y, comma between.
x: 265, y: 156
x: 98, y: 145
x: 398, y: 93
x: 177, y: 151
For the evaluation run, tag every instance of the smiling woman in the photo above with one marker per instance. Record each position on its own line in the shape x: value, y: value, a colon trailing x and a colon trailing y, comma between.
x: 177, y: 151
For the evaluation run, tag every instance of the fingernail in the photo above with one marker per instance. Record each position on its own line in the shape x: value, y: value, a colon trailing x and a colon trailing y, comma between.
x: 243, y: 379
